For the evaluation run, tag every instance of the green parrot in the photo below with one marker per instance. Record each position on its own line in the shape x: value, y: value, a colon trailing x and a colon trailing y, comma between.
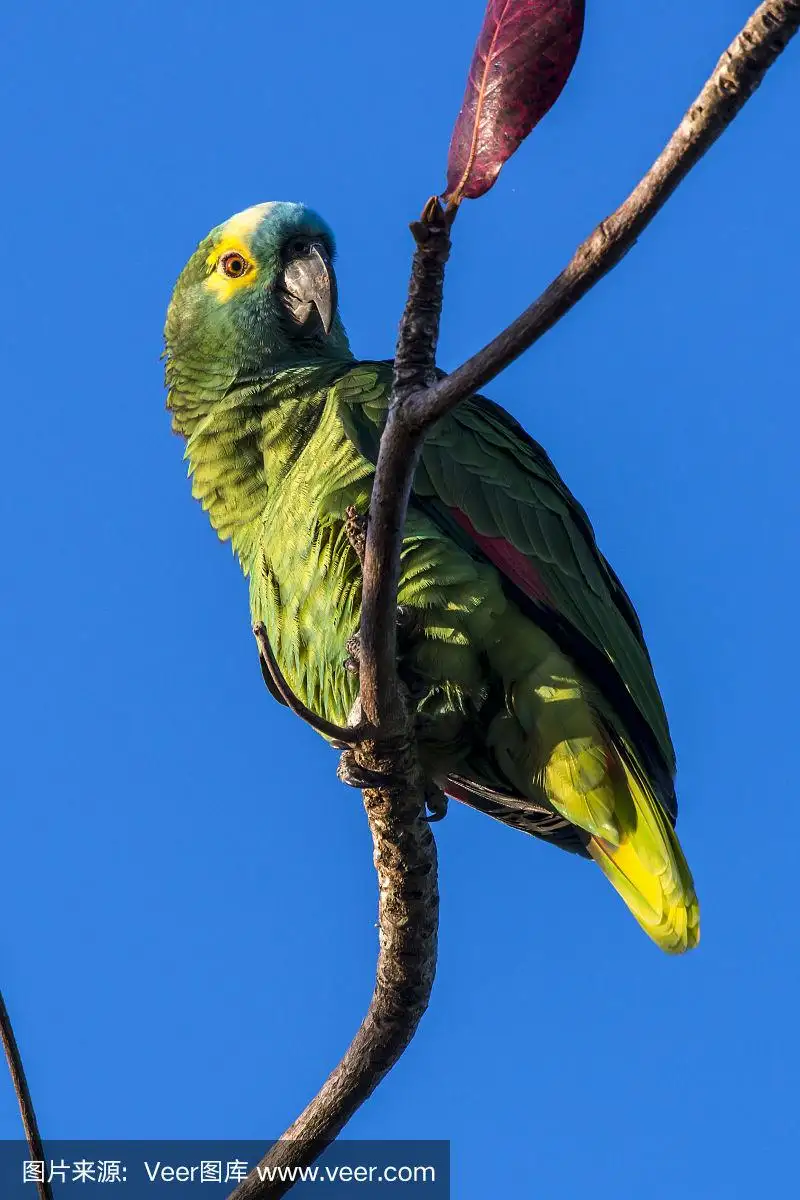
x: 535, y: 697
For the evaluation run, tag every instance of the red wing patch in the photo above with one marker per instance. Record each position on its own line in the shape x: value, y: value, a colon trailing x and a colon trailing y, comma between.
x: 515, y: 565
x: 456, y: 792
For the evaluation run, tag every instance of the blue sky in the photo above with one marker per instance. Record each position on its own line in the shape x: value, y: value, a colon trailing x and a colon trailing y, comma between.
x: 189, y: 897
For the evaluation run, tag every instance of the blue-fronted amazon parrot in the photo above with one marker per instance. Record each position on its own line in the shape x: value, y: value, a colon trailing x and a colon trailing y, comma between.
x: 535, y: 696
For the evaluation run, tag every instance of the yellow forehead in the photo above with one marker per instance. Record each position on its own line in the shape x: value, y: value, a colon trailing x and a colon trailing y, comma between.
x: 236, y: 235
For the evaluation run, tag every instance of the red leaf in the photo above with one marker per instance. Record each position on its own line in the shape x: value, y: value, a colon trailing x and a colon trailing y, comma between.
x: 523, y: 57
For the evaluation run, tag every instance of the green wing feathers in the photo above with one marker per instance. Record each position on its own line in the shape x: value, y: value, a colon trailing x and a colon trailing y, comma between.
x: 508, y: 488
x: 560, y: 738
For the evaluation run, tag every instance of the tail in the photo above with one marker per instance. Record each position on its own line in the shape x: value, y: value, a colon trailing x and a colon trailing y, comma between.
x: 647, y: 865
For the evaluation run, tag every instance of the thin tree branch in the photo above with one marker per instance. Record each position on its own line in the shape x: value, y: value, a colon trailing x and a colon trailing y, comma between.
x: 405, y: 853
x: 27, y: 1111
x: 336, y: 733
x: 405, y: 860
x: 414, y: 369
x: 404, y: 848
x: 739, y: 72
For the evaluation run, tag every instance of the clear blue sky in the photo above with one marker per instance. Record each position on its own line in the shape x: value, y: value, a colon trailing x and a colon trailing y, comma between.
x: 189, y: 901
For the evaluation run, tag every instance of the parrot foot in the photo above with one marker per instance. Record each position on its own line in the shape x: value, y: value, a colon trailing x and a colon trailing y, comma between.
x: 436, y: 803
x: 354, y: 775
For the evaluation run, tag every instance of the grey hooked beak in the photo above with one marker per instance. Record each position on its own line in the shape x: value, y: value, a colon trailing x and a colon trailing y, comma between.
x: 309, y: 287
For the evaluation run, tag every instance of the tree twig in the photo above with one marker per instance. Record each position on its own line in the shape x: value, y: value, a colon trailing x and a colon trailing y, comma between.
x: 738, y: 73
x: 336, y: 733
x: 405, y: 854
x: 27, y: 1111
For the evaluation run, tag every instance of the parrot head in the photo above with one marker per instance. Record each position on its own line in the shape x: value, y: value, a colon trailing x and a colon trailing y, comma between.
x: 258, y: 294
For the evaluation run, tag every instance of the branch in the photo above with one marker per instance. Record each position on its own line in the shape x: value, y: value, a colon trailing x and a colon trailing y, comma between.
x: 404, y: 848
x: 739, y: 72
x: 26, y: 1109
x: 405, y: 853
x: 405, y: 860
x: 414, y: 370
x: 269, y: 664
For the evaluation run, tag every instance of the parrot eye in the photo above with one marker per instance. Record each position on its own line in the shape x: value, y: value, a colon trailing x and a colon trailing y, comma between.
x: 233, y: 264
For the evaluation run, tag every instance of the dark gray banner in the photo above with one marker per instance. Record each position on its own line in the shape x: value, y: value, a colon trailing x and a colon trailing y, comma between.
x: 100, y: 1170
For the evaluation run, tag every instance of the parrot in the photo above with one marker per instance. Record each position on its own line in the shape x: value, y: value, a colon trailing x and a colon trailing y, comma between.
x: 534, y: 697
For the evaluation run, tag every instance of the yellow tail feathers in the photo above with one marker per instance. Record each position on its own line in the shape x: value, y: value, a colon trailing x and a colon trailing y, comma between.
x: 648, y: 869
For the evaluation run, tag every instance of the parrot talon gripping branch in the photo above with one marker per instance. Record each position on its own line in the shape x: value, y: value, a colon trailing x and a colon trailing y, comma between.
x: 436, y: 804
x: 351, y: 772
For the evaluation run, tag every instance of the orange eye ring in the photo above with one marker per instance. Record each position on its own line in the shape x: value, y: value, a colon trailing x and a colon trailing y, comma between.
x: 233, y: 265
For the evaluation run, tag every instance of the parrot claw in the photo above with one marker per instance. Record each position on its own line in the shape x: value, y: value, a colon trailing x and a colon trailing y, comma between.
x: 436, y: 803
x: 354, y: 775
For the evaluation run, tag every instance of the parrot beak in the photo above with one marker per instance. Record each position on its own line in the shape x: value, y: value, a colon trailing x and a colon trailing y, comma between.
x: 309, y: 287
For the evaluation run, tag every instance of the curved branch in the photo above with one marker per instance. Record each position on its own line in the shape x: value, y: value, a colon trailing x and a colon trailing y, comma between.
x: 404, y: 848
x: 335, y: 733
x: 26, y: 1109
x: 738, y: 73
